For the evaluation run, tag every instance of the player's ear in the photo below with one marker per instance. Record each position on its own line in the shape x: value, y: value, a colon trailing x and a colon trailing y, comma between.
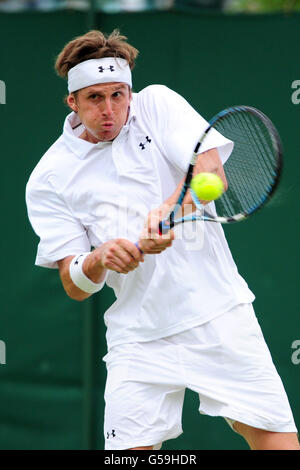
x: 71, y: 102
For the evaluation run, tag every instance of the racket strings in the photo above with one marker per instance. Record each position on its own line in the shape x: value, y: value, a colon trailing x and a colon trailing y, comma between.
x: 251, y: 168
x: 258, y: 136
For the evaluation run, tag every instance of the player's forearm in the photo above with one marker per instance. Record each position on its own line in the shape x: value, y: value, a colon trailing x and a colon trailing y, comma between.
x: 93, y: 267
x: 187, y: 205
x: 210, y: 162
x: 207, y: 162
x: 73, y: 291
x: 89, y: 270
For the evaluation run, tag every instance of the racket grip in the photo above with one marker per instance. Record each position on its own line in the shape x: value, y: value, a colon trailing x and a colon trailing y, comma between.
x: 137, y: 245
x: 160, y: 228
x: 163, y: 227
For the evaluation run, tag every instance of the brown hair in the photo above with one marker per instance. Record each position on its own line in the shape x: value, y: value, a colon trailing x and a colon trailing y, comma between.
x: 94, y: 45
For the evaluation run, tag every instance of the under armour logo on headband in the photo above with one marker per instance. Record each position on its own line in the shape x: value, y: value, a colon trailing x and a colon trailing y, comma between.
x: 111, y: 68
x: 95, y: 71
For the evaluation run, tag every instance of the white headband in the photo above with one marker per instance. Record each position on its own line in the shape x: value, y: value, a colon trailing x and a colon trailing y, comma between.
x: 94, y: 71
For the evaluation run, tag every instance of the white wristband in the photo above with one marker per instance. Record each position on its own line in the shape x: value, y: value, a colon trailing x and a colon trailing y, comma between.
x: 80, y: 279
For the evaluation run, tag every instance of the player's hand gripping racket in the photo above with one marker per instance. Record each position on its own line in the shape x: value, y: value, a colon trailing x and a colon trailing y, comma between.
x: 252, y: 170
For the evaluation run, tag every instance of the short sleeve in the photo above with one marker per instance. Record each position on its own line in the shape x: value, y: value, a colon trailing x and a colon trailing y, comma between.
x: 60, y: 233
x: 179, y: 126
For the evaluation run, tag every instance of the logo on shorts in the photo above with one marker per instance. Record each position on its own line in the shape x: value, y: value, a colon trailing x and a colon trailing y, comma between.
x: 111, y: 434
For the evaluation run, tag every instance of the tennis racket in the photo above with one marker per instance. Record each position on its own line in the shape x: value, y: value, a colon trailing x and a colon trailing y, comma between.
x: 252, y: 171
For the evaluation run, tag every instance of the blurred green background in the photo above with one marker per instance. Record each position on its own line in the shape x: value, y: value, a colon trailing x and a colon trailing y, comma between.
x: 51, y: 387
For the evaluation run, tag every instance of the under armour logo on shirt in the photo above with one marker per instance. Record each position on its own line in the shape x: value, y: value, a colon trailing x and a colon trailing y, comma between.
x: 143, y: 145
x: 101, y: 69
x: 112, y: 434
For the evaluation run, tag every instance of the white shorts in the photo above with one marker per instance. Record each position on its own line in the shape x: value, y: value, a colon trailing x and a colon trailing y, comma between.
x: 226, y: 361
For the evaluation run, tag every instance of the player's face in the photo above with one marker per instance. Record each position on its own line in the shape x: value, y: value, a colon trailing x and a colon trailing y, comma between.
x: 103, y: 109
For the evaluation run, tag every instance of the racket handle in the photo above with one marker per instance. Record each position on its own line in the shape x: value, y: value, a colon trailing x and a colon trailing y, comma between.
x: 160, y: 228
x: 164, y: 228
x: 137, y: 245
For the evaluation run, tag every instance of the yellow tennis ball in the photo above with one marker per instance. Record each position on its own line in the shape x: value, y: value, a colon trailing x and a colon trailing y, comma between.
x: 207, y: 186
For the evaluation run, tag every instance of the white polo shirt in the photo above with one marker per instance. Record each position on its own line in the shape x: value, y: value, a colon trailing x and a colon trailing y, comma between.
x: 82, y: 194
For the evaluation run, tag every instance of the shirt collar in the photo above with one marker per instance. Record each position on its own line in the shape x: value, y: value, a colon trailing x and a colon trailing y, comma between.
x: 73, y: 128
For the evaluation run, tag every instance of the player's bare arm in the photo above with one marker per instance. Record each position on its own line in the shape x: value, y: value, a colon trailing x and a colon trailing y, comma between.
x: 207, y: 162
x: 118, y: 255
x: 150, y: 241
x: 210, y: 162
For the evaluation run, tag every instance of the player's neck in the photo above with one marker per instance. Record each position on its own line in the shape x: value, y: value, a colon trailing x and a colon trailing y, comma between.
x: 88, y: 137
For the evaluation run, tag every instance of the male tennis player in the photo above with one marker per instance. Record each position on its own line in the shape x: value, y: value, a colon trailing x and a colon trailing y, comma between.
x: 182, y: 318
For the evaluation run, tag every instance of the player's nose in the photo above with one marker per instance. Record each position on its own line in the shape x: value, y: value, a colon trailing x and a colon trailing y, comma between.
x: 107, y: 110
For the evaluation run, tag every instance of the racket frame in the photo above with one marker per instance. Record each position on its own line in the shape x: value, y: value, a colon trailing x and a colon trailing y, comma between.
x: 169, y: 222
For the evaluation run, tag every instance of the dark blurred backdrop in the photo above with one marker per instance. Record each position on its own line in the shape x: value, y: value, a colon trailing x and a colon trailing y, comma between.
x: 52, y: 381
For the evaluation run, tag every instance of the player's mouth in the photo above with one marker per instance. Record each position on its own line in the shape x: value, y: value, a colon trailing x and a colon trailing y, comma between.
x: 108, y: 126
